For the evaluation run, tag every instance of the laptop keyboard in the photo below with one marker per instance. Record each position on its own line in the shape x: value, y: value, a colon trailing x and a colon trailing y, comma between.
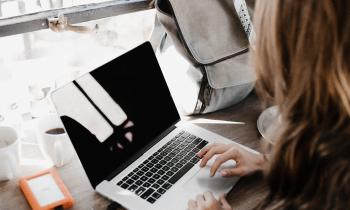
x: 152, y: 178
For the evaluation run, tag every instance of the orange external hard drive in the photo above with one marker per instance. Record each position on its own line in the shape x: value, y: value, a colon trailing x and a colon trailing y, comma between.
x: 46, y: 191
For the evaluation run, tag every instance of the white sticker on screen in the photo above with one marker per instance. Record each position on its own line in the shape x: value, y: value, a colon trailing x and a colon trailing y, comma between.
x: 45, y: 190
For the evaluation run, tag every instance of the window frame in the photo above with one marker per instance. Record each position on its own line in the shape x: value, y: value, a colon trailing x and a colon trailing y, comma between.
x: 75, y: 14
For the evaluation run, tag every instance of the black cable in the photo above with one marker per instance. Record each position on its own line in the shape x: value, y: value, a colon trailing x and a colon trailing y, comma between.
x: 113, y: 206
x: 59, y: 208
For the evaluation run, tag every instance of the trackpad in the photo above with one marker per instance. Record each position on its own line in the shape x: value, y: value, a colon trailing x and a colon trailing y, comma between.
x: 202, y: 182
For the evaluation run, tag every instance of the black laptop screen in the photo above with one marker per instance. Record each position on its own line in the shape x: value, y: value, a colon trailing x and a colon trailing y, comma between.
x: 115, y: 111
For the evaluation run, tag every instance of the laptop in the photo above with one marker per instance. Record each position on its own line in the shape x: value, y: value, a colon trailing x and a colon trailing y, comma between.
x: 127, y: 132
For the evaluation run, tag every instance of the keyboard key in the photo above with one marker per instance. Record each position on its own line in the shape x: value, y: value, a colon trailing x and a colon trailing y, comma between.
x: 159, y: 157
x: 154, y: 170
x: 156, y: 195
x: 202, y: 144
x: 149, y: 174
x: 151, y: 200
x: 160, y: 181
x: 140, y: 191
x: 167, y: 158
x: 195, y: 150
x: 183, y: 161
x: 120, y: 183
x: 179, y: 165
x: 167, y: 150
x: 129, y: 181
x: 144, y: 178
x: 133, y: 187
x: 170, y: 164
x: 165, y: 177
x: 169, y: 173
x: 174, y: 169
x: 183, y: 153
x: 156, y: 176
x: 155, y: 186
x: 160, y: 172
x: 125, y: 186
x: 188, y: 149
x: 178, y: 141
x: 158, y: 166
x: 188, y: 157
x: 197, y: 141
x: 178, y: 156
x: 181, y: 138
x: 192, y: 137
x: 181, y: 146
x: 188, y: 140
x: 140, y: 173
x: 151, y: 180
x: 147, y: 193
x: 180, y: 173
x: 179, y: 134
x: 192, y: 154
x: 192, y: 145
x: 174, y: 160
x: 195, y: 160
x: 145, y: 169
x: 154, y: 161
x: 139, y: 182
x: 185, y: 134
x: 136, y: 170
x: 146, y: 184
x: 135, y: 177
x: 125, y: 178
x: 149, y: 165
x: 166, y: 186
x: 155, y: 154
x: 162, y: 162
x: 165, y: 168
x: 161, y: 191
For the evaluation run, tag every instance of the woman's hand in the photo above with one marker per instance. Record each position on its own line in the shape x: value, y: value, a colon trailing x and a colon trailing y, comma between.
x: 246, y: 162
x: 207, y: 201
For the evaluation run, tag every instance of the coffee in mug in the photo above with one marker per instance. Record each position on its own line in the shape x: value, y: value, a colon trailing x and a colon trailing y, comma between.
x: 55, y: 140
x: 55, y: 131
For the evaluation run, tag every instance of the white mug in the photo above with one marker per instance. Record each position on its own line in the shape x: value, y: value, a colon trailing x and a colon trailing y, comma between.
x: 55, y: 140
x: 9, y: 156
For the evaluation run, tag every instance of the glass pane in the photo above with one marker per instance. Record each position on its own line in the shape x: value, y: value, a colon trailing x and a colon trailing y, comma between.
x: 36, y: 63
x: 10, y: 8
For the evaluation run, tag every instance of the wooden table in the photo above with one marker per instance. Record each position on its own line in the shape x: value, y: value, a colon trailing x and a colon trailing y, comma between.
x: 244, y: 196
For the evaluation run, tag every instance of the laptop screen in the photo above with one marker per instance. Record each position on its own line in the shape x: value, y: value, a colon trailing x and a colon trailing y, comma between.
x: 114, y: 111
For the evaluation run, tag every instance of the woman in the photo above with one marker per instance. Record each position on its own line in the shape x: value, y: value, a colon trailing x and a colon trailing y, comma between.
x: 302, y: 59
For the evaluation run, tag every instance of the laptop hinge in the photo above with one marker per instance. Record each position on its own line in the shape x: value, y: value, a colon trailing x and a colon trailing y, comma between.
x: 141, y: 152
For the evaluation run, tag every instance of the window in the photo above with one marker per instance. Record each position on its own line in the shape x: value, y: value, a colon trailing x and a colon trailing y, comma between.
x: 35, y: 60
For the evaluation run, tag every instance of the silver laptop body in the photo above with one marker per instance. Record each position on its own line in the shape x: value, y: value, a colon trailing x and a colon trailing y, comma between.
x: 128, y: 135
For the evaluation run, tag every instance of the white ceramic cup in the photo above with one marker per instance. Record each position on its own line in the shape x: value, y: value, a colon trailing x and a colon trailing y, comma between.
x: 9, y: 156
x: 56, y: 144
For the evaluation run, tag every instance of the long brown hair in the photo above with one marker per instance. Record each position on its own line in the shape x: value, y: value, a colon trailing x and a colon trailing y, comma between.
x: 302, y: 59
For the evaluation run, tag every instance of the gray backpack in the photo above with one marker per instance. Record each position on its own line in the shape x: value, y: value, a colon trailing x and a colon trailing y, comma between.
x: 204, y: 54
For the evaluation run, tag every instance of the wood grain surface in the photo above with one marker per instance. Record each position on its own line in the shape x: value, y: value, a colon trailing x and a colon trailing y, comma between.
x: 247, y: 193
